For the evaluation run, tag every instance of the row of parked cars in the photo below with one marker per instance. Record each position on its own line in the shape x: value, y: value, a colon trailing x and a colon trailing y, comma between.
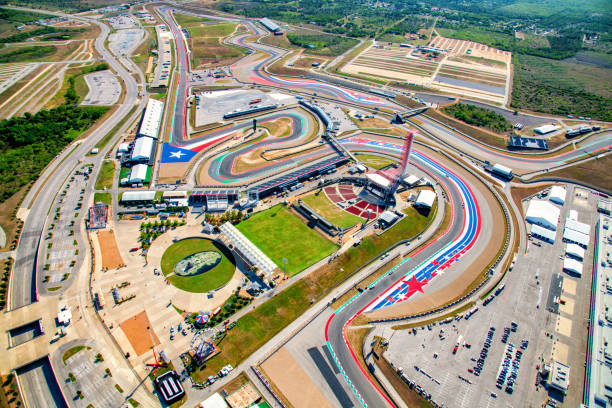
x: 483, y: 353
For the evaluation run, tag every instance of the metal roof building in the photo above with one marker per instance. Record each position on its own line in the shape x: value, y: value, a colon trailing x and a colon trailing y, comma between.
x: 542, y: 130
x: 138, y: 174
x: 573, y: 266
x: 138, y: 196
x: 269, y: 24
x: 557, y: 195
x: 425, y: 199
x: 559, y: 377
x: 142, y: 149
x: 543, y: 213
x: 575, y: 251
x: 578, y: 226
x: 542, y: 233
x: 151, y: 119
x: 576, y: 237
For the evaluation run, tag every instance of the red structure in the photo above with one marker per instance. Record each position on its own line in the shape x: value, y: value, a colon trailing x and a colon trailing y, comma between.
x: 394, y: 175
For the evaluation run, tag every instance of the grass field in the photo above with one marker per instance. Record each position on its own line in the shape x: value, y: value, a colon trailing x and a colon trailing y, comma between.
x: 105, y: 177
x: 105, y: 198
x: 375, y: 162
x: 254, y: 329
x: 593, y: 172
x: 205, y: 282
x: 328, y: 210
x: 281, y: 234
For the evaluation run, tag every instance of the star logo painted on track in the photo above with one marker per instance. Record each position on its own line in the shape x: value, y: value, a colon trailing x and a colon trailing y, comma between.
x: 435, y: 263
x: 415, y: 286
x: 178, y: 154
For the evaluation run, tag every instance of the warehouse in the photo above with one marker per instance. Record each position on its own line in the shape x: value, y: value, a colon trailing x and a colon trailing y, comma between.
x: 557, y: 195
x: 574, y: 251
x: 572, y: 266
x: 543, y: 233
x: 138, y: 174
x: 270, y: 25
x: 425, y: 199
x: 578, y: 226
x: 137, y: 197
x: 576, y: 237
x: 143, y: 148
x: 543, y: 213
x: 151, y: 119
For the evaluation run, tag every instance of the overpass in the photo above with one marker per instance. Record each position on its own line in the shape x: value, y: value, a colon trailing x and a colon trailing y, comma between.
x: 401, y: 117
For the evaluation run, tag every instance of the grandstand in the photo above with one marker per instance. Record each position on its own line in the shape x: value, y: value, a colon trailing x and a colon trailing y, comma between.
x: 519, y: 142
x: 98, y: 215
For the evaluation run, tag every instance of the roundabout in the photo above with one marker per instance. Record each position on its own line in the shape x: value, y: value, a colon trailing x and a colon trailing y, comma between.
x: 197, y: 265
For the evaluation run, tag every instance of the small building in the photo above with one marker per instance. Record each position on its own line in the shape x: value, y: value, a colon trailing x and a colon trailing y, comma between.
x: 575, y: 237
x: 543, y: 213
x: 378, y: 180
x: 604, y: 207
x: 387, y: 218
x: 64, y: 317
x: 138, y: 174
x: 559, y: 378
x: 411, y: 180
x: 542, y: 233
x: 574, y: 251
x: 425, y: 199
x: 501, y: 171
x: 557, y: 195
x: 137, y: 197
x: 142, y: 149
x: 572, y: 266
x: 214, y: 401
x: 123, y: 147
x: 546, y: 129
x: 269, y: 24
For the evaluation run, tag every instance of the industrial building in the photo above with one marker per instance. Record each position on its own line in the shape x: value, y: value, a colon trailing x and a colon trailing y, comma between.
x: 546, y: 129
x: 578, y: 226
x: 575, y: 237
x: 270, y: 25
x: 559, y: 377
x: 543, y: 213
x: 151, y: 120
x: 557, y: 195
x: 542, y: 233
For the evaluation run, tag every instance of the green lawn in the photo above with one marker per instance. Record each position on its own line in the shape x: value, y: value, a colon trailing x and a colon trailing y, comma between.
x: 282, y: 234
x: 213, y: 30
x: 328, y: 210
x: 72, y: 351
x: 105, y: 177
x: 205, y: 282
x: 373, y: 161
x: 106, y: 198
x: 255, y: 328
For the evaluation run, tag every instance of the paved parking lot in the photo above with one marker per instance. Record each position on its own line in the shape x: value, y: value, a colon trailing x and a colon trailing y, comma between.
x: 426, y: 355
x: 122, y: 21
x: 124, y: 42
x: 104, y: 88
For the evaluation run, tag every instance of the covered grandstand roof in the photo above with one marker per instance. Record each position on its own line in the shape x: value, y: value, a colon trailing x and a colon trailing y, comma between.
x: 572, y: 265
x: 138, y: 196
x: 557, y: 195
x: 249, y: 250
x: 574, y: 250
x: 138, y: 173
x: 543, y: 213
x: 174, y: 194
x: 425, y: 198
x: 151, y: 119
x: 542, y: 233
x: 576, y: 237
x: 142, y: 148
x: 378, y: 180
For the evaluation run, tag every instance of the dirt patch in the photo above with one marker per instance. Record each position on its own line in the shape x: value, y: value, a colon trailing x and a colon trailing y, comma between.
x: 293, y: 382
x: 464, y: 281
x: 306, y: 62
x: 111, y: 258
x: 137, y: 329
x: 520, y: 193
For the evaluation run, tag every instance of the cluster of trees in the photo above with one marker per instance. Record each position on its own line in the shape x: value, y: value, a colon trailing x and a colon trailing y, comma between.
x: 27, y: 34
x: 149, y: 231
x: 477, y: 116
x: 18, y: 16
x: 231, y: 306
x: 29, y: 142
x: 232, y: 216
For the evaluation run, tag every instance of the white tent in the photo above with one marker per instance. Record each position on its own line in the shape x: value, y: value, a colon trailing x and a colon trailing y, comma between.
x: 574, y: 250
x: 214, y: 401
x: 577, y: 226
x: 557, y: 195
x: 543, y: 213
x: 542, y: 233
x: 425, y: 199
x: 142, y: 148
x: 573, y: 266
x: 575, y: 237
x: 138, y: 173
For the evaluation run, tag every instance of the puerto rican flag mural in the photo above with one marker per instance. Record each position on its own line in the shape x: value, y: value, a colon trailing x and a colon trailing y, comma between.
x: 184, y: 154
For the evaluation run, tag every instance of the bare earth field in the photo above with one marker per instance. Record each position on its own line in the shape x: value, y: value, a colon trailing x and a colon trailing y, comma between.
x: 135, y: 329
x: 111, y: 258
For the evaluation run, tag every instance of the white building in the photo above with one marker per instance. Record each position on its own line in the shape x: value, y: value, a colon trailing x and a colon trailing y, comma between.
x: 425, y: 199
x: 123, y: 148
x: 142, y: 149
x: 574, y: 250
x: 543, y: 213
x: 578, y: 226
x: 542, y: 233
x: 138, y: 174
x: 572, y: 266
x: 412, y: 180
x: 245, y: 247
x: 133, y: 196
x: 575, y: 237
x: 151, y: 119
x: 543, y: 130
x: 557, y: 195
x: 214, y: 401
